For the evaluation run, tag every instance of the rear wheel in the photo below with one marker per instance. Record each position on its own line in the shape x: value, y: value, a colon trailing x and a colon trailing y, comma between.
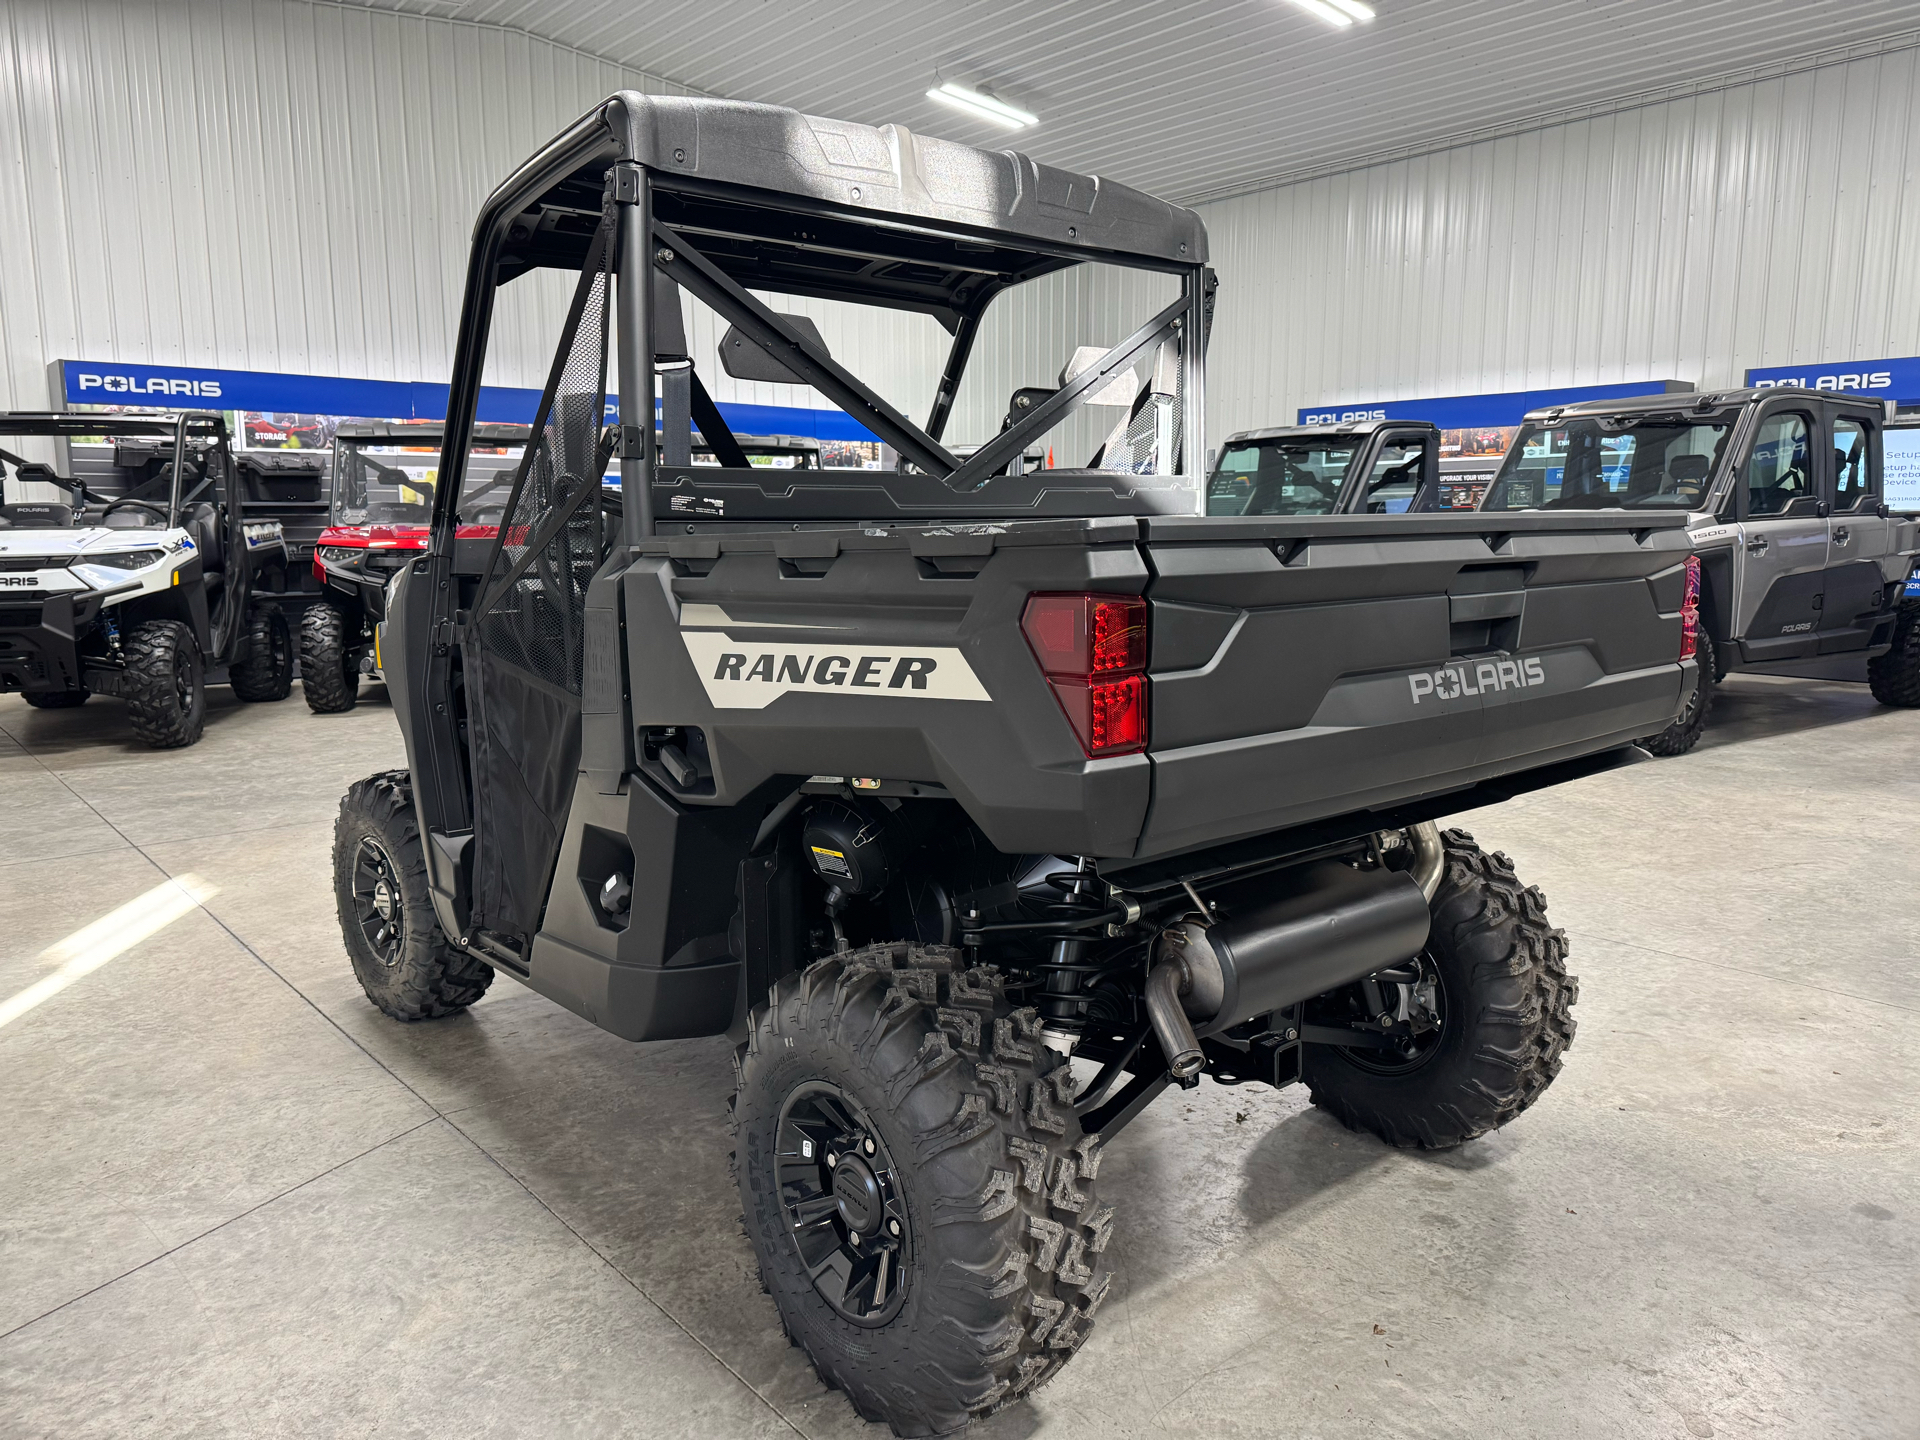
x: 916, y: 1185
x: 402, y: 958
x: 267, y: 672
x: 1494, y: 976
x: 1679, y: 738
x: 56, y: 699
x: 165, y: 691
x: 1892, y: 675
x: 327, y: 673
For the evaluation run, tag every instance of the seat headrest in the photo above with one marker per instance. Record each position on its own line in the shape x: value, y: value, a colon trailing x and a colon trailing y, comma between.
x: 37, y: 515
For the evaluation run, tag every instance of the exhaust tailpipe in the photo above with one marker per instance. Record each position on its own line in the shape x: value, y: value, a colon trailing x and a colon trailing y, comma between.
x: 1299, y: 935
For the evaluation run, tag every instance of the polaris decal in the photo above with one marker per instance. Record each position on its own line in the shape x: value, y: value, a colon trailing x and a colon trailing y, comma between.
x: 1476, y: 678
x: 749, y: 675
x: 112, y: 384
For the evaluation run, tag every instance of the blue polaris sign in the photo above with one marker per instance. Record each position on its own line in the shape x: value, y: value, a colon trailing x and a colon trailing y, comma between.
x: 1473, y: 412
x: 1898, y: 379
x: 183, y: 387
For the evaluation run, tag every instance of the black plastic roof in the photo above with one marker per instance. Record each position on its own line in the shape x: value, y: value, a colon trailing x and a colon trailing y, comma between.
x: 809, y: 206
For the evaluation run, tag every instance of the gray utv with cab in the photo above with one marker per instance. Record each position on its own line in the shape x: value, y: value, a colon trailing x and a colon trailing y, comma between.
x: 1371, y: 467
x: 1798, y: 554
x: 148, y: 581
x: 976, y: 806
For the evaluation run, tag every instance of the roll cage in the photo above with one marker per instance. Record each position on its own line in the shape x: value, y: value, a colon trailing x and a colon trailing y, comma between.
x: 183, y: 428
x: 723, y: 198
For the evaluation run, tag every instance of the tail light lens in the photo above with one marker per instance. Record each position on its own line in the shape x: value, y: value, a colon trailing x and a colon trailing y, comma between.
x: 1093, y: 649
x: 1691, y: 607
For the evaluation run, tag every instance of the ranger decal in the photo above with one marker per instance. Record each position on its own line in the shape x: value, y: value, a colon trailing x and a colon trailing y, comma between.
x: 748, y: 675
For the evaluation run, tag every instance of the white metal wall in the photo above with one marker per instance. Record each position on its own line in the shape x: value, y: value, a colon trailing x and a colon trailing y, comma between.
x: 289, y: 185
x: 1760, y: 224
x: 261, y: 185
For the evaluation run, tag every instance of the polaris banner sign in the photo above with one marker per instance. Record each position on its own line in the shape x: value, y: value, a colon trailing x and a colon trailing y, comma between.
x: 185, y: 387
x: 1898, y: 380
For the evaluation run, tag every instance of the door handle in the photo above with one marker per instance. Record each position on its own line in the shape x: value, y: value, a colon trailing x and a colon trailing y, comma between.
x: 1757, y: 544
x: 1841, y: 536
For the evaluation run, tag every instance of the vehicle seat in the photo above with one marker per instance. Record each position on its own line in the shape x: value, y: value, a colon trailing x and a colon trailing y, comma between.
x: 1689, y: 472
x: 202, y: 522
x: 36, y: 515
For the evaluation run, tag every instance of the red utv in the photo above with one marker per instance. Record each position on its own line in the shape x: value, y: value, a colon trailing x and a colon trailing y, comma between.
x: 383, y: 498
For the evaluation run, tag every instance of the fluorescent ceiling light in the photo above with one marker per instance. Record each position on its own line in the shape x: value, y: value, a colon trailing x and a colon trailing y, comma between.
x: 1354, y: 8
x: 983, y: 106
x: 1323, y: 10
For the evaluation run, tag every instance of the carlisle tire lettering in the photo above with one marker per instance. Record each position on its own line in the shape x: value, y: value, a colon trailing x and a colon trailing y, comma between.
x: 743, y: 676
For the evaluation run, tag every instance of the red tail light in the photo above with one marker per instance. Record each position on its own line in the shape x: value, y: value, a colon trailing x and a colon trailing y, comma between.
x: 1691, y: 608
x: 1093, y: 649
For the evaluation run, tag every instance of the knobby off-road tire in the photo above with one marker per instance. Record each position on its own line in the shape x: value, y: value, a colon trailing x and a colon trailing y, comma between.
x: 984, y: 1160
x: 267, y: 672
x: 402, y: 958
x: 327, y: 674
x: 166, y: 690
x: 1892, y: 675
x: 1679, y: 738
x: 1506, y: 1016
x: 56, y: 699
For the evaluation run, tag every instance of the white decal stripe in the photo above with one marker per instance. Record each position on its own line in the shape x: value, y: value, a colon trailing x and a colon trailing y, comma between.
x: 749, y: 675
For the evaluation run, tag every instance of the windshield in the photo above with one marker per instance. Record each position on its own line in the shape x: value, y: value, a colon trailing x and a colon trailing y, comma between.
x: 383, y: 483
x: 1292, y: 476
x: 1641, y: 462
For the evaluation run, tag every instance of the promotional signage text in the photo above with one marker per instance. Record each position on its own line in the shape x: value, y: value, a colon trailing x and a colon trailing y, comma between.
x: 1898, y: 379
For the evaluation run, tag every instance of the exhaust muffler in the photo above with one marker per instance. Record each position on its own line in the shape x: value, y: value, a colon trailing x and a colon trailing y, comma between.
x: 1301, y: 935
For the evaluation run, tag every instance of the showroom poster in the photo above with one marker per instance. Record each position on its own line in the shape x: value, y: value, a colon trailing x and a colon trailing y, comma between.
x: 1901, y: 469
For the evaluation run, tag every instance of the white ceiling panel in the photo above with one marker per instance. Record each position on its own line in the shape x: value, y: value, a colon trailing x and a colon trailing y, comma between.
x: 1196, y: 100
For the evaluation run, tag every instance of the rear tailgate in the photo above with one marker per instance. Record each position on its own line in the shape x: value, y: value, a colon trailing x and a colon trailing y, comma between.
x: 1309, y: 666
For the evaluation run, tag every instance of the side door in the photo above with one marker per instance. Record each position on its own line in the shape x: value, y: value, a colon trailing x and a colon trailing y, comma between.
x: 1397, y: 476
x: 1783, y: 534
x: 1858, y: 533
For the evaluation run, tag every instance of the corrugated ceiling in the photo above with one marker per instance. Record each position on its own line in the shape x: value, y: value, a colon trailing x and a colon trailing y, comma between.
x: 1192, y: 101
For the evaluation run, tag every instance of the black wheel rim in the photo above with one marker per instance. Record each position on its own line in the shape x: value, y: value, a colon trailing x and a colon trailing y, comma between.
x: 841, y: 1196
x: 378, y: 910
x: 1426, y: 994
x: 183, y: 681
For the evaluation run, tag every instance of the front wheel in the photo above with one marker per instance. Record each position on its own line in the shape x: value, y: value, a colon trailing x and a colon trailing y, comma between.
x: 166, y: 689
x: 1679, y: 738
x: 916, y: 1185
x: 267, y: 672
x: 402, y: 958
x: 1494, y: 985
x: 327, y: 672
x: 1892, y: 675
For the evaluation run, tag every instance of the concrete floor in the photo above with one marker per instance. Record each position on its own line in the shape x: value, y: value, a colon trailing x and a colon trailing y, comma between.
x: 234, y: 1199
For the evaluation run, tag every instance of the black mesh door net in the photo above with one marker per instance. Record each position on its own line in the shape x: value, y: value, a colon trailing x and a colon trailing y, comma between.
x: 523, y: 643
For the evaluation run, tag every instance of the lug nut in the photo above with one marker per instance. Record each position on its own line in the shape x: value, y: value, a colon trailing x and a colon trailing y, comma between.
x: 832, y: 1159
x: 868, y: 1146
x: 893, y: 1228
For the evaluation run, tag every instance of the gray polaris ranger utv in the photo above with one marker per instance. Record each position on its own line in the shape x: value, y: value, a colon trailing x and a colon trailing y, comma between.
x: 1799, y: 556
x: 976, y: 807
x: 1369, y: 467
